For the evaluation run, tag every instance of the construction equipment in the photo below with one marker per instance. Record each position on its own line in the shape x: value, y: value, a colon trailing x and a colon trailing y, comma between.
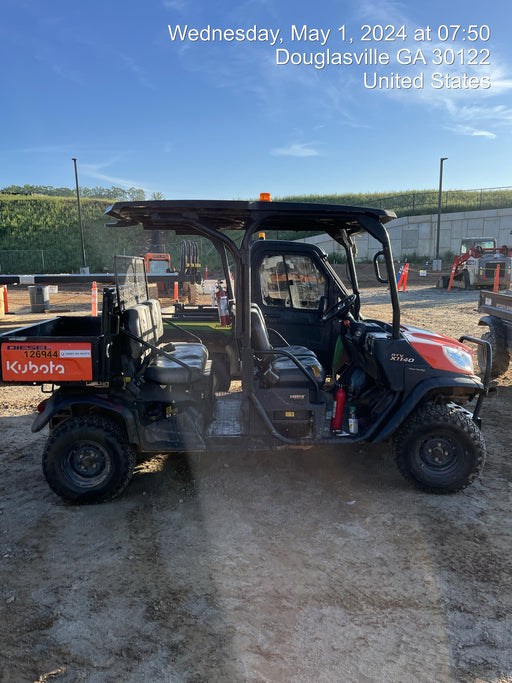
x: 188, y: 276
x: 477, y: 264
x: 189, y: 273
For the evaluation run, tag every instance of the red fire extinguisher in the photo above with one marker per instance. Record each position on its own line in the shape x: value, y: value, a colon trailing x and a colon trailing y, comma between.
x: 337, y: 410
x: 222, y: 304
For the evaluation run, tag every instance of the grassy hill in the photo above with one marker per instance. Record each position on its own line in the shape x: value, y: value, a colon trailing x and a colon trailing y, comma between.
x: 40, y: 234
x: 417, y: 202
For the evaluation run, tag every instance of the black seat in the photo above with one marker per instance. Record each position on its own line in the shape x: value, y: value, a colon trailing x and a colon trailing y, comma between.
x: 278, y: 368
x: 183, y: 363
x: 165, y: 370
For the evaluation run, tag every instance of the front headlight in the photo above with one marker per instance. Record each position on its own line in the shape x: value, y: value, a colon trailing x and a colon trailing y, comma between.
x: 461, y: 359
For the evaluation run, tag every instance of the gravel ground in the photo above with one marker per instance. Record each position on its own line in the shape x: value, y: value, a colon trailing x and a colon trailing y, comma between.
x: 289, y: 565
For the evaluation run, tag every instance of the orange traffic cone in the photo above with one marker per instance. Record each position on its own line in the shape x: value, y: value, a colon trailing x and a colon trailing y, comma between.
x: 94, y: 299
x: 497, y: 279
x: 406, y: 273
x: 402, y: 282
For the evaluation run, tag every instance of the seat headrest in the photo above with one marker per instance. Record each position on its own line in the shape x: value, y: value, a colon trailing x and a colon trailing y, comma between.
x: 259, y: 333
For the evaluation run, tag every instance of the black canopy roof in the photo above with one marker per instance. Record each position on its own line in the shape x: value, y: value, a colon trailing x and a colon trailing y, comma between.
x: 184, y: 216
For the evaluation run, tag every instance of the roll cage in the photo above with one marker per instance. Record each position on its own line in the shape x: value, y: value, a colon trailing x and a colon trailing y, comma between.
x: 212, y: 219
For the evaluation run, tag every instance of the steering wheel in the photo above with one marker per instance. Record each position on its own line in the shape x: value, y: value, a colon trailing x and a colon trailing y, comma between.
x: 340, y: 309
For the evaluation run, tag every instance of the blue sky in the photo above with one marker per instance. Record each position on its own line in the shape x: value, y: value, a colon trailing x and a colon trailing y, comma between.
x: 104, y: 82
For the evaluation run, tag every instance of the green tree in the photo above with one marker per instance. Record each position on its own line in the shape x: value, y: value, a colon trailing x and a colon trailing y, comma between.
x: 136, y: 194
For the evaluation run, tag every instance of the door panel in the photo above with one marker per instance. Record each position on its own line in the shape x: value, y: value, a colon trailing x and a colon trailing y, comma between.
x: 292, y: 287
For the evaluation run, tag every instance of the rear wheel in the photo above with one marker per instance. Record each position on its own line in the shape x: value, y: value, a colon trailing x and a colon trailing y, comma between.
x: 440, y: 449
x: 500, y: 355
x: 88, y: 460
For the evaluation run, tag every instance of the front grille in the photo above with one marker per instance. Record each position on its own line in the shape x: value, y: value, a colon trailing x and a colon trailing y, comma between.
x: 490, y: 268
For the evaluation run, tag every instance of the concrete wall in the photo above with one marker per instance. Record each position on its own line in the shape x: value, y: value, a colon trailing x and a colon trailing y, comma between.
x: 417, y: 234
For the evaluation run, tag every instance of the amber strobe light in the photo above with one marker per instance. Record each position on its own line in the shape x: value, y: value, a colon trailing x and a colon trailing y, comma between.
x: 265, y: 197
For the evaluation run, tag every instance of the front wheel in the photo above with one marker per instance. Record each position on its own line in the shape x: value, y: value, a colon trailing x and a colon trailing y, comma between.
x: 440, y: 449
x: 88, y: 459
x: 467, y: 281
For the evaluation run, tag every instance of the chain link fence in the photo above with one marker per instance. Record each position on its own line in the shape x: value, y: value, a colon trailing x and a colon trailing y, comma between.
x: 426, y: 201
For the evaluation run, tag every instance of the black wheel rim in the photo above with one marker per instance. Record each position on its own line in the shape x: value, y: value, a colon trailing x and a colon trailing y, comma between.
x: 87, y: 464
x: 439, y: 454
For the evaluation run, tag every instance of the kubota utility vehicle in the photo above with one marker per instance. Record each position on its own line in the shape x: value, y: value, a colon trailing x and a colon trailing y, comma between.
x: 119, y: 392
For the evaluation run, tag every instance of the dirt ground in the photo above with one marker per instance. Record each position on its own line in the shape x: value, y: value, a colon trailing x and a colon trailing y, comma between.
x: 285, y: 566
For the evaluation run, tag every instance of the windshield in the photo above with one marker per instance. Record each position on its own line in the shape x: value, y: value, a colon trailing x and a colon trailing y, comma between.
x: 291, y: 280
x: 158, y: 266
x: 483, y: 243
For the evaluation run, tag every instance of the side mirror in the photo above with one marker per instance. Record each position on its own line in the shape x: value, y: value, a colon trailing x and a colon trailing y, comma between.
x: 376, y: 267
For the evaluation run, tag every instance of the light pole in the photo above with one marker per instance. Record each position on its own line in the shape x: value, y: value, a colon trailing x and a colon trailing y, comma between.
x: 79, y: 215
x: 438, y: 235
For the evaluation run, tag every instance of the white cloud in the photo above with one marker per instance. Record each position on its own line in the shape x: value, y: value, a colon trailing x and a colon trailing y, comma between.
x: 296, y: 149
x: 483, y: 133
x: 473, y: 132
x: 469, y: 120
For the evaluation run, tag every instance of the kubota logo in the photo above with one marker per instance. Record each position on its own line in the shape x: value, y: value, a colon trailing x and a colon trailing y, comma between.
x: 29, y: 368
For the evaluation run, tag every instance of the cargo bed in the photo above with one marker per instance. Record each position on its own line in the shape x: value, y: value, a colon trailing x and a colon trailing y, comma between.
x: 58, y: 351
x: 497, y: 304
x: 497, y: 316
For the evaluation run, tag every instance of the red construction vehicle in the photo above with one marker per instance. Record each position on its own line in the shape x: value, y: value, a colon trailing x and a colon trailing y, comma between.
x: 157, y: 263
x: 188, y: 277
x: 476, y: 265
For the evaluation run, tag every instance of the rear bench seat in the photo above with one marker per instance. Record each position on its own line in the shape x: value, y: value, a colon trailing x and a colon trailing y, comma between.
x: 162, y: 370
x: 191, y: 359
